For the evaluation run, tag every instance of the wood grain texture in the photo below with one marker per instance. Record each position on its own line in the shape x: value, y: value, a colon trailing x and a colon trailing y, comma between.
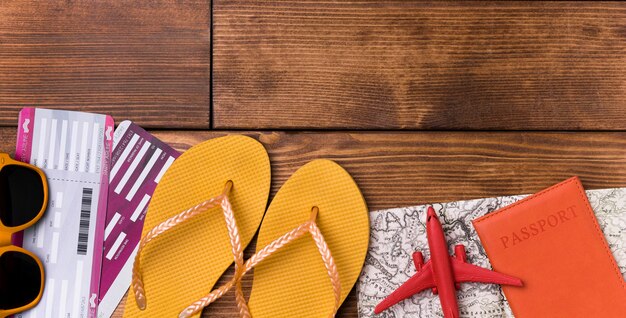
x: 401, y: 168
x: 419, y: 65
x: 144, y: 60
x: 408, y: 168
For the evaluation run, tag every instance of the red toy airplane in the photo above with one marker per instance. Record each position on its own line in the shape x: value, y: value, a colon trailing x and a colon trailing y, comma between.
x: 442, y: 272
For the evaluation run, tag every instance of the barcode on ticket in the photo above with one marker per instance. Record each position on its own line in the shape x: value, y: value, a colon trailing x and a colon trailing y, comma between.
x: 85, y: 215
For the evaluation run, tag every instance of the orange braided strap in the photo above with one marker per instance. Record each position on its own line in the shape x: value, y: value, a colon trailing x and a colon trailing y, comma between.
x: 237, y: 250
x: 329, y: 262
x: 309, y: 226
x: 233, y: 233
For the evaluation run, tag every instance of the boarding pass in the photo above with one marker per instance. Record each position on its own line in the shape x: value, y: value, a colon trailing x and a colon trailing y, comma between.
x: 138, y: 161
x: 73, y: 149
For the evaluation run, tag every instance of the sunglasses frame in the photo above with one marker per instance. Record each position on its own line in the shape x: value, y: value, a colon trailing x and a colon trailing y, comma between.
x: 6, y: 232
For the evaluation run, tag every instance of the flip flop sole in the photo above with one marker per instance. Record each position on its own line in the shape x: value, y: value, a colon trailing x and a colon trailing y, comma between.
x: 184, y: 263
x: 294, y: 282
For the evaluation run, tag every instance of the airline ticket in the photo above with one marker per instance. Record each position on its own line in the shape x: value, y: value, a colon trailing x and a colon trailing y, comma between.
x: 139, y: 160
x: 73, y: 149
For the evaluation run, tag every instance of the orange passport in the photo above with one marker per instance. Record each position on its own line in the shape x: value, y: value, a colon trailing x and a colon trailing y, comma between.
x: 553, y: 243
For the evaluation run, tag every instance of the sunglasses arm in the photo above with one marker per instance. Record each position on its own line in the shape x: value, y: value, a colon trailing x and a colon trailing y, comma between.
x: 5, y: 237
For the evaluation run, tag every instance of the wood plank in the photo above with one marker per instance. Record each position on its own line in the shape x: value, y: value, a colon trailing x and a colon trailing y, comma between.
x: 143, y: 60
x: 401, y: 168
x: 407, y: 168
x: 419, y: 65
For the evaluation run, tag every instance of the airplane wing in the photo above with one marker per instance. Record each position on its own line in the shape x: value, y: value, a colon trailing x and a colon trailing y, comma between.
x: 418, y: 282
x: 465, y: 272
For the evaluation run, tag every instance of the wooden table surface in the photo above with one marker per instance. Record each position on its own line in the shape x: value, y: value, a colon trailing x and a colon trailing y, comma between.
x: 420, y: 101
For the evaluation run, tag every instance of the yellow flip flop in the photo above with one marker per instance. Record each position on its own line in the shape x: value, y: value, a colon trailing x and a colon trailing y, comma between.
x: 187, y: 241
x: 310, y: 249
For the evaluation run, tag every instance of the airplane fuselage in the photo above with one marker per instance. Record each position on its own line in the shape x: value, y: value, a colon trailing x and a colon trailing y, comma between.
x: 442, y: 269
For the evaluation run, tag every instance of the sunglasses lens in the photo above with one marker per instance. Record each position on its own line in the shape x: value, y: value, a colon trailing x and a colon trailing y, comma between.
x: 21, y: 195
x: 20, y: 280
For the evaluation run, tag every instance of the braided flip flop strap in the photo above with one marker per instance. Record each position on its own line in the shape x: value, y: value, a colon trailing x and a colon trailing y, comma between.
x: 329, y: 262
x: 237, y: 250
x: 309, y: 226
x: 233, y: 233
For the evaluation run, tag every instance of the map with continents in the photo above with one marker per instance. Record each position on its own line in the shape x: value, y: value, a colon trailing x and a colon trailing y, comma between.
x: 397, y: 233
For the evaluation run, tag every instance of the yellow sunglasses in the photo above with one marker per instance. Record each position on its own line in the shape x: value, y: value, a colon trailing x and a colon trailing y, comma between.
x: 23, y: 200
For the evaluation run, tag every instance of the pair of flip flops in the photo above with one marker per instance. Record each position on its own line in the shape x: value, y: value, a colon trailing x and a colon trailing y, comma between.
x: 311, y: 245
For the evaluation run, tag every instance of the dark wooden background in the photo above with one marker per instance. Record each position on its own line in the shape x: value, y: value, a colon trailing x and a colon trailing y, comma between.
x: 420, y: 101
